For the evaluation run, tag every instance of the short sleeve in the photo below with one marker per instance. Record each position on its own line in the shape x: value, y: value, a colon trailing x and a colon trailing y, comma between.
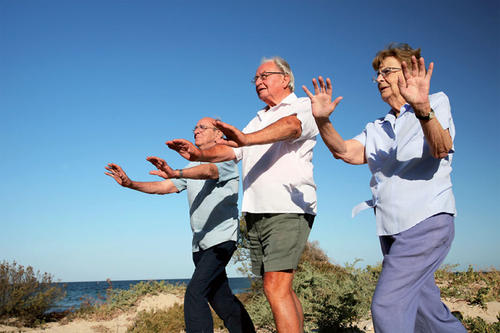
x: 238, y: 153
x: 304, y: 114
x: 361, y: 137
x: 180, y: 183
x: 227, y: 170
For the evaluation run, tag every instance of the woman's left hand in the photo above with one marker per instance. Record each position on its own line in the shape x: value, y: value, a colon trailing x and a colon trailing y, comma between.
x: 415, y: 87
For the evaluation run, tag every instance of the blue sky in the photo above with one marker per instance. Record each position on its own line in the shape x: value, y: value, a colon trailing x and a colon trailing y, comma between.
x: 84, y: 83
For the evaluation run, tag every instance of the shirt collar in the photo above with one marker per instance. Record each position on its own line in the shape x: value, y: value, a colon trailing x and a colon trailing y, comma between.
x: 285, y: 101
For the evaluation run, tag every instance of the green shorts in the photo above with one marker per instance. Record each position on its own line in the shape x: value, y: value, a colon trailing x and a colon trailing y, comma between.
x: 277, y: 240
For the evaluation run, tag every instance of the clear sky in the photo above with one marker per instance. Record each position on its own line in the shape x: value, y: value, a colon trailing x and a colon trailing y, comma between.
x: 84, y: 83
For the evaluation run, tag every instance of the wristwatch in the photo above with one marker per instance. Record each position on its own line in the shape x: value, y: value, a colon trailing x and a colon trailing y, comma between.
x: 428, y: 117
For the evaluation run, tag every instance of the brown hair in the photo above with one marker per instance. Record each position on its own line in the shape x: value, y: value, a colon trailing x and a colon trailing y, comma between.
x: 400, y: 51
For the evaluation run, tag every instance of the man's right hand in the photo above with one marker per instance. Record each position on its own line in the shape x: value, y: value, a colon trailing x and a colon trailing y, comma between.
x: 185, y: 148
x: 118, y: 174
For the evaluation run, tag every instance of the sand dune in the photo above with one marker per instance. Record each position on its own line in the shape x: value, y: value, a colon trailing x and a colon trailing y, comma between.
x: 120, y: 323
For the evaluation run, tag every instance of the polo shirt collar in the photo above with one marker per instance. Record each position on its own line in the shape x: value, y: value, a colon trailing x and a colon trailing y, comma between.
x: 286, y: 101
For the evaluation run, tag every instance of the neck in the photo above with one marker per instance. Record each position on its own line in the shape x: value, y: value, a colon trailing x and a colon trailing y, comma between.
x: 396, y: 104
x: 273, y: 101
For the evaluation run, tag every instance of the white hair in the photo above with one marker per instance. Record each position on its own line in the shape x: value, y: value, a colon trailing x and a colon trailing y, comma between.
x: 284, y: 67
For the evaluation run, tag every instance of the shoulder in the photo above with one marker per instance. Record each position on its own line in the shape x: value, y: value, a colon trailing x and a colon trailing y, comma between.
x: 438, y: 98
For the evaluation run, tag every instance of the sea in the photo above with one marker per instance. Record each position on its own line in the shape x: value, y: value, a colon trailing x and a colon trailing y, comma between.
x: 79, y: 292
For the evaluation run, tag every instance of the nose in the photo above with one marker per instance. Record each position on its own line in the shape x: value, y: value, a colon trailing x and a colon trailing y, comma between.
x: 380, y: 78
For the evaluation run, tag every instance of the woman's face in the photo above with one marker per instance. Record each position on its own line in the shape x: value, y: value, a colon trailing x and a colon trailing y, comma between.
x: 387, y: 79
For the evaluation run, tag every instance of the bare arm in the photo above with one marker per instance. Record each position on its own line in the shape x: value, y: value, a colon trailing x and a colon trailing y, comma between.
x: 203, y: 171
x: 286, y: 128
x: 415, y: 90
x: 159, y: 187
x: 218, y: 153
x: 350, y: 151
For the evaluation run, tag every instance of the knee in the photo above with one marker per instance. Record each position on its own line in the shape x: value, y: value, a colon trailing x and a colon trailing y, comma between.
x: 275, y: 289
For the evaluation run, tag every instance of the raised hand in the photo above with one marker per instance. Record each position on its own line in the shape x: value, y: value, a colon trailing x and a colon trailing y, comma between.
x: 415, y: 87
x: 164, y: 170
x: 185, y: 148
x: 321, y: 102
x: 118, y: 174
x: 235, y: 137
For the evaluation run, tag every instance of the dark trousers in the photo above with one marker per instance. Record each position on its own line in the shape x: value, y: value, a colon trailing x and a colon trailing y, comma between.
x: 406, y: 299
x: 209, y: 284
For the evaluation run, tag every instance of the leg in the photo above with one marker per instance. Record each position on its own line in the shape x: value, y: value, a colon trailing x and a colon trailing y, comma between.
x: 222, y: 300
x: 433, y: 315
x: 410, y: 260
x: 283, y: 301
x: 197, y: 315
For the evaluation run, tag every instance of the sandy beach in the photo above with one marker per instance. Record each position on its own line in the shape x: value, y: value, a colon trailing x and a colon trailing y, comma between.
x: 120, y: 323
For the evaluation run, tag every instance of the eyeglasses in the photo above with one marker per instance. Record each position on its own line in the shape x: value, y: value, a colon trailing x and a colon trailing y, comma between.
x: 385, y: 72
x: 263, y: 76
x: 203, y: 127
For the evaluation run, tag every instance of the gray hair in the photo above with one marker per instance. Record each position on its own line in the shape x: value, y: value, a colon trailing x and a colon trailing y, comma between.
x: 284, y: 67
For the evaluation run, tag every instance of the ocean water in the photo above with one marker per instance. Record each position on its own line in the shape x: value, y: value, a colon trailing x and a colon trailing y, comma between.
x: 77, y: 292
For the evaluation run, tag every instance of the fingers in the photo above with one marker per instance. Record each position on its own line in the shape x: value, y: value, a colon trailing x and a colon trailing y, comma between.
x: 415, y: 67
x: 308, y: 93
x: 429, y: 71
x: 406, y: 72
x: 315, y: 85
x: 337, y: 101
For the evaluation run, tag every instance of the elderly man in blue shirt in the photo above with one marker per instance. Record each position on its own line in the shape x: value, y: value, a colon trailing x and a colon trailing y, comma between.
x: 212, y: 190
x: 409, y: 153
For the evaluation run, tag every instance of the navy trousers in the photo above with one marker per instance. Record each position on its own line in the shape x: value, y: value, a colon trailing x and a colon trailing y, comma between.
x: 209, y: 284
x: 406, y: 298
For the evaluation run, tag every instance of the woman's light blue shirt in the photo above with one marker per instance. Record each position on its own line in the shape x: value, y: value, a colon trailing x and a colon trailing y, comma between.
x: 408, y: 184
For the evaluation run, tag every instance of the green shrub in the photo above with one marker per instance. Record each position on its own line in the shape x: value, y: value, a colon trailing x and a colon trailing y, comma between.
x: 332, y: 297
x: 478, y: 325
x: 474, y: 287
x: 25, y: 294
x: 170, y: 320
x: 119, y: 300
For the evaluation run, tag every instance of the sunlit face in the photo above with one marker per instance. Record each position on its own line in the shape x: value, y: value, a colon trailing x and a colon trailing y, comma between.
x: 273, y: 88
x: 206, y: 134
x: 388, y: 84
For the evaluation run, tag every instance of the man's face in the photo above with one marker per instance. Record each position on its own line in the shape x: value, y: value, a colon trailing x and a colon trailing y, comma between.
x: 273, y: 88
x: 205, y: 133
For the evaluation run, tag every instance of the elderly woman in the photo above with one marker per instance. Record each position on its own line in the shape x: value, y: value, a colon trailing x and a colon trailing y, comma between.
x: 409, y: 153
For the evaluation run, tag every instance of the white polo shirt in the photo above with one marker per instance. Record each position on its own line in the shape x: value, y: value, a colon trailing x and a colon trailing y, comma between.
x: 278, y: 177
x: 408, y: 184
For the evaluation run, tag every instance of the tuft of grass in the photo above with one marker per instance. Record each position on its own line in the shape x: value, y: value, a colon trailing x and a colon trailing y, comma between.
x: 26, y: 295
x: 478, y: 325
x: 118, y: 300
x: 170, y: 320
x: 474, y: 287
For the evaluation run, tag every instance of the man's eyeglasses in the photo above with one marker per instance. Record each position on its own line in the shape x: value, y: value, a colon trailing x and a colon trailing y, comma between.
x: 263, y: 76
x: 385, y: 72
x: 203, y: 127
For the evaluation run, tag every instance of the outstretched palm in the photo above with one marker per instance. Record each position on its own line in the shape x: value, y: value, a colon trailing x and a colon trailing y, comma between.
x: 235, y: 137
x: 415, y: 87
x: 185, y: 148
x: 321, y: 102
x: 164, y: 170
x: 117, y: 173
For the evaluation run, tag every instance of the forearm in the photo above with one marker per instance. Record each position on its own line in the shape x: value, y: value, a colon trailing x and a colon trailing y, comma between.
x: 218, y: 153
x: 438, y: 139
x: 286, y: 128
x: 162, y: 187
x: 203, y: 171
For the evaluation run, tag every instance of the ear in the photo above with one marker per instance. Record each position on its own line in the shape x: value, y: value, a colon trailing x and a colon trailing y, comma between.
x: 286, y: 81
